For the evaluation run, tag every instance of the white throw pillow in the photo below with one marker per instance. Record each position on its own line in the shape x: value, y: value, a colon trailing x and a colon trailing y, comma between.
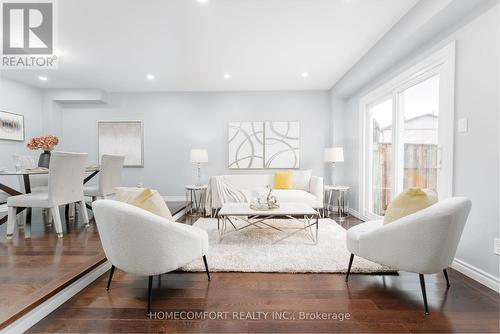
x: 127, y: 194
x: 301, y: 179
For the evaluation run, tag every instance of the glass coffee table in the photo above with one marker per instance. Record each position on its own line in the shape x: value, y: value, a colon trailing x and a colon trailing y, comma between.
x: 303, y: 213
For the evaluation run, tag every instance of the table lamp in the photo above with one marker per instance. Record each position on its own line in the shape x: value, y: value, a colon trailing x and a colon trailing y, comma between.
x: 333, y: 155
x: 199, y: 156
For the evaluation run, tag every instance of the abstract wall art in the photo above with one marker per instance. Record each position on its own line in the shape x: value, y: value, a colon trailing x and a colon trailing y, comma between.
x: 258, y: 145
x: 11, y: 126
x: 282, y: 144
x: 246, y: 145
x: 122, y: 138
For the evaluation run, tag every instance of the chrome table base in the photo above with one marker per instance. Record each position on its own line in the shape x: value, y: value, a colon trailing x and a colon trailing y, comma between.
x: 308, y: 221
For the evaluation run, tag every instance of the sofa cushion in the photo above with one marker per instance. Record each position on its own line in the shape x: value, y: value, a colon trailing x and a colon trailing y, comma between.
x: 301, y: 179
x: 294, y: 196
x: 409, y: 201
x: 283, y: 180
x: 249, y: 181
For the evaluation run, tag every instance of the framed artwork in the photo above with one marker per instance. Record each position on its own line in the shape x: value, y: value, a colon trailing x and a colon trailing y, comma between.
x: 282, y: 144
x: 269, y: 145
x: 122, y: 138
x: 11, y: 126
x: 246, y: 145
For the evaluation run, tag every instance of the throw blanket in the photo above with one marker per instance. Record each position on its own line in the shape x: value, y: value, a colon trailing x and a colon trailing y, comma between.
x: 226, y: 192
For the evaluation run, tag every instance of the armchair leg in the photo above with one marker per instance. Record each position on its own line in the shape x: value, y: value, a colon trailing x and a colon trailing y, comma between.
x: 349, y: 268
x: 150, y: 294
x: 111, y: 272
x: 424, y: 294
x: 206, y: 266
x: 446, y: 276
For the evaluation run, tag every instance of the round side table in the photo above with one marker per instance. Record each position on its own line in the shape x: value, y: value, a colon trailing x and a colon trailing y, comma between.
x: 340, y: 196
x: 195, y: 199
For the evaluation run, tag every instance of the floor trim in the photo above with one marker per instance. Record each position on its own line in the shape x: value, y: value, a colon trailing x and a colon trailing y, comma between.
x: 356, y: 214
x: 477, y: 274
x: 174, y: 198
x: 179, y: 215
x: 41, y: 311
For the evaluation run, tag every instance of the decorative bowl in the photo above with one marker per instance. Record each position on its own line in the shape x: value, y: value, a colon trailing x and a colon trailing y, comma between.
x: 264, y: 206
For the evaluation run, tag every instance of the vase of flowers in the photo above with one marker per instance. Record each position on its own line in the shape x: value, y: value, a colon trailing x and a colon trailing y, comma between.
x: 45, y: 143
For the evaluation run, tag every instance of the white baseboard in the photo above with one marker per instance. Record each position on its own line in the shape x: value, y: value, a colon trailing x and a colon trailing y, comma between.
x: 41, y: 311
x: 174, y: 198
x: 179, y: 214
x: 477, y: 274
x: 356, y: 214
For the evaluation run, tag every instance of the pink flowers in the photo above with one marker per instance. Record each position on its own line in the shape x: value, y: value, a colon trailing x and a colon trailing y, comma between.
x: 46, y: 143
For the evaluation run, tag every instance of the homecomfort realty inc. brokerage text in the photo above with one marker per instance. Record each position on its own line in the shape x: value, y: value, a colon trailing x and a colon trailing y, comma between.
x: 250, y: 316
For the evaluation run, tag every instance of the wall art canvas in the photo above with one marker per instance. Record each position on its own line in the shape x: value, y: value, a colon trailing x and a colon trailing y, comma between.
x: 11, y: 126
x: 122, y: 138
x: 246, y: 145
x: 282, y: 144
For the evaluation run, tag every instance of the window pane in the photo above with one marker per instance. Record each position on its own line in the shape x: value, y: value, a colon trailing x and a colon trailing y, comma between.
x: 381, y: 181
x: 420, y: 134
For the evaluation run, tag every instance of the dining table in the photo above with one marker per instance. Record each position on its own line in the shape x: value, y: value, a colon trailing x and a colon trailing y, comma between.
x: 90, y: 172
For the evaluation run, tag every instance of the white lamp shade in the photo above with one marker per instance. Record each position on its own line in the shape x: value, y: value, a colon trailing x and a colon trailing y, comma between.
x: 199, y: 155
x: 334, y: 154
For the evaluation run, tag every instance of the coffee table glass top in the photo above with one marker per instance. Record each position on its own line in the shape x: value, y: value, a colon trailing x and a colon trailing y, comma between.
x: 285, y: 209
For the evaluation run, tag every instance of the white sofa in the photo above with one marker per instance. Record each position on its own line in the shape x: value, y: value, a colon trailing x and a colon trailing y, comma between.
x: 309, y: 189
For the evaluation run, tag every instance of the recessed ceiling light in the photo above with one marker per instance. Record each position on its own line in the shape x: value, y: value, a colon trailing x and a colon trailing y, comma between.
x: 305, y: 74
x: 43, y: 78
x: 150, y: 77
x: 202, y: 1
x: 227, y: 76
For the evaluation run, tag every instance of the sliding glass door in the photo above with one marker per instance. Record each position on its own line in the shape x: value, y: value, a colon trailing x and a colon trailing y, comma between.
x: 407, y: 137
x: 419, y: 135
x: 381, y: 156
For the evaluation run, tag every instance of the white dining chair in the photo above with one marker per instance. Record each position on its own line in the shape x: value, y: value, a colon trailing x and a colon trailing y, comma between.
x: 144, y: 244
x: 37, y: 182
x: 66, y: 174
x: 110, y: 177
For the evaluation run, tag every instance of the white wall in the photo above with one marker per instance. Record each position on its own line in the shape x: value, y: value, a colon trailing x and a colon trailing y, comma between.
x: 176, y: 122
x: 20, y: 99
x: 476, y: 153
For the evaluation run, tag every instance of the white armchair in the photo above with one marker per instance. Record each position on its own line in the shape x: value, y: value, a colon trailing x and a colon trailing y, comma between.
x: 424, y: 242
x: 142, y: 243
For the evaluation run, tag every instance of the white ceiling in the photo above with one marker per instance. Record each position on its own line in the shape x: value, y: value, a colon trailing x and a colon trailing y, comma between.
x: 189, y: 46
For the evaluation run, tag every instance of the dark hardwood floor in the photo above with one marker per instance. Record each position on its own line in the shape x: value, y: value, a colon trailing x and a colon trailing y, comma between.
x: 32, y: 270
x: 375, y: 303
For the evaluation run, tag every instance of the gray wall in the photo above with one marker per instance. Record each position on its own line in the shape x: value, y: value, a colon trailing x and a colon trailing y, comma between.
x: 176, y: 122
x: 20, y: 99
x: 476, y: 153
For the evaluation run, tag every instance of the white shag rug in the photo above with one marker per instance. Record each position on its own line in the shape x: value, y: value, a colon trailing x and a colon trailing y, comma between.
x: 252, y: 250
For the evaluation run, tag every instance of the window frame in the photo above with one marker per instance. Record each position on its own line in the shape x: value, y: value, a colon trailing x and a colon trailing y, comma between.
x: 442, y: 63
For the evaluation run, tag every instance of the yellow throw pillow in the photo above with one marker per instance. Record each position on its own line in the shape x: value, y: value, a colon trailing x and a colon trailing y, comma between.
x: 283, y: 180
x: 144, y: 198
x: 409, y: 201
